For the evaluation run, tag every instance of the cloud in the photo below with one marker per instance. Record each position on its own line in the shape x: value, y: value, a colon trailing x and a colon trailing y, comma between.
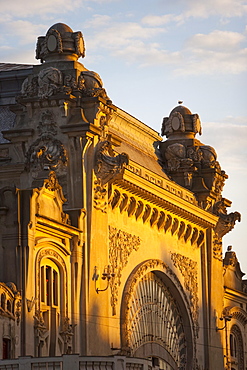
x: 119, y: 35
x: 216, y: 52
x: 148, y: 54
x: 98, y: 20
x: 223, y: 8
x: 229, y: 138
x: 16, y: 8
x: 216, y: 40
x: 158, y: 20
x: 26, y: 31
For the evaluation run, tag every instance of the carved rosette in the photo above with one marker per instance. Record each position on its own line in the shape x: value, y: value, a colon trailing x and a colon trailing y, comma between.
x: 121, y: 245
x: 188, y: 269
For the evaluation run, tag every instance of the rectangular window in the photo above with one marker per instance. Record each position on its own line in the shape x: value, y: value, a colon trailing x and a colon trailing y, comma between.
x: 48, y: 285
x: 6, y: 348
x: 55, y: 288
x: 42, y: 285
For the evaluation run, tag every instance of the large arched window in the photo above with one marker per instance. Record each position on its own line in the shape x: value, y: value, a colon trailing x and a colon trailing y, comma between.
x: 153, y: 324
x: 51, y: 306
x: 236, y: 349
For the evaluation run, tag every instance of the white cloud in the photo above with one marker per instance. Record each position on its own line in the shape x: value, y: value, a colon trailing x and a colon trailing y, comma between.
x: 148, y: 54
x: 158, y: 20
x: 223, y: 8
x: 229, y: 138
x: 27, y: 32
x: 217, y: 52
x: 216, y: 40
x: 98, y: 20
x: 17, y: 8
x: 120, y: 34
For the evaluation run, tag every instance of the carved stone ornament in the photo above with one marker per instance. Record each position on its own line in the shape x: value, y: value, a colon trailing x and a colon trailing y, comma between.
x: 100, y: 196
x: 46, y: 151
x: 48, y: 82
x: 67, y: 335
x: 39, y: 325
x: 188, y: 269
x: 51, y: 81
x: 121, y: 245
x: 109, y: 166
x: 60, y: 40
x: 217, y: 247
x: 226, y: 221
x: 18, y: 312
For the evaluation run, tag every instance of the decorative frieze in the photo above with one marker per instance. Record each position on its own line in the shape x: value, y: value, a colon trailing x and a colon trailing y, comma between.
x: 121, y: 245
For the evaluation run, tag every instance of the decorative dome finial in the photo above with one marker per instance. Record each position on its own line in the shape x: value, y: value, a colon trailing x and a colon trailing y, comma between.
x: 60, y: 43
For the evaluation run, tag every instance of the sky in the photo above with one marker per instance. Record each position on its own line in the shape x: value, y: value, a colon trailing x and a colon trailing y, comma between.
x: 152, y: 53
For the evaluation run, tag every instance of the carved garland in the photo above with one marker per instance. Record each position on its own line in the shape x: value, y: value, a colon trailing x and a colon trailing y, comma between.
x: 155, y: 216
x: 188, y: 269
x: 121, y: 245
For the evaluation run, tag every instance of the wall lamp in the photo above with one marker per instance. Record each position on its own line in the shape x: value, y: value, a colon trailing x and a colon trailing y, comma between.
x: 106, y: 275
x: 226, y: 318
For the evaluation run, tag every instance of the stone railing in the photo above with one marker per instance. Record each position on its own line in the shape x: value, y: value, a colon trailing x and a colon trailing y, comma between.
x: 76, y: 362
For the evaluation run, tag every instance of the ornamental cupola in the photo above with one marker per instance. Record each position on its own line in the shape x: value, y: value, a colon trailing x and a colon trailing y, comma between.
x: 60, y: 43
x: 181, y: 123
x: 189, y: 162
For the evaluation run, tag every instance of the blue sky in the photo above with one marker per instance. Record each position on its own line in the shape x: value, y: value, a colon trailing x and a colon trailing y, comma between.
x: 152, y: 53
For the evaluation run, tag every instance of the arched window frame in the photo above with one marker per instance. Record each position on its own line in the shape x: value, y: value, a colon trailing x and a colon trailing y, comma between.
x: 236, y: 348
x: 50, y: 252
x: 171, y: 281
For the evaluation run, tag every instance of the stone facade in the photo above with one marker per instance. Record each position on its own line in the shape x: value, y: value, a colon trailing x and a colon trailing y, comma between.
x: 111, y: 237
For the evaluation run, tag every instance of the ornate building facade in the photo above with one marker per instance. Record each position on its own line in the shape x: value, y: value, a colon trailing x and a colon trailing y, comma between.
x: 111, y: 237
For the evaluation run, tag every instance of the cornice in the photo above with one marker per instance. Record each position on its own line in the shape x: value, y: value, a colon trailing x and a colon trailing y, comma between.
x: 232, y: 293
x: 167, y: 195
x: 156, y: 212
x: 45, y: 223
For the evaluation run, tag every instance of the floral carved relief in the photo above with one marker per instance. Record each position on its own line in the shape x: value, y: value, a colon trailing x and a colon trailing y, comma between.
x: 188, y: 269
x: 121, y: 245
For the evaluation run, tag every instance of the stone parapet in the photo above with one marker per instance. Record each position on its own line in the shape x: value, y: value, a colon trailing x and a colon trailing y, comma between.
x: 76, y: 362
